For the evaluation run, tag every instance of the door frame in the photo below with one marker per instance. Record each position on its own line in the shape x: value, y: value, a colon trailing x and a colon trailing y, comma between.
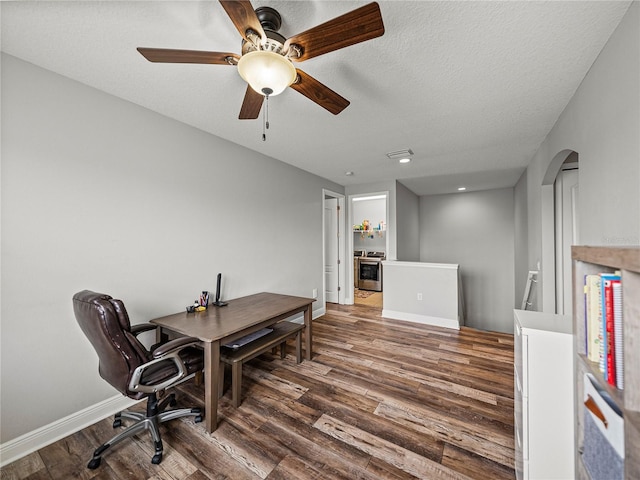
x: 565, y: 212
x: 341, y: 246
x: 350, y: 298
x: 547, y: 207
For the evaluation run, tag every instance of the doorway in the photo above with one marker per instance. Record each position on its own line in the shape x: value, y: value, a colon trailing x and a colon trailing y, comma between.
x: 566, y: 231
x: 333, y: 275
x: 369, y: 245
x: 559, y: 209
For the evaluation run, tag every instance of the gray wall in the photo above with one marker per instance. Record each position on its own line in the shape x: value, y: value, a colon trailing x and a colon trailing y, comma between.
x: 407, y: 224
x: 99, y: 193
x: 600, y: 123
x: 520, y: 241
x: 476, y: 231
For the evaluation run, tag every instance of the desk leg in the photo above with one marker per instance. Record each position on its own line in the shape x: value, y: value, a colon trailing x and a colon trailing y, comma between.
x: 308, y: 349
x: 211, y: 378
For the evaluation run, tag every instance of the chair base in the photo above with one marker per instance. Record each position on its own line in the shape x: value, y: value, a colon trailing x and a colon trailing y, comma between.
x: 150, y: 421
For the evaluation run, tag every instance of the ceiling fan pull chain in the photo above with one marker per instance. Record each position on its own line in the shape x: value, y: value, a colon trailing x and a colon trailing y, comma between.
x: 265, y: 119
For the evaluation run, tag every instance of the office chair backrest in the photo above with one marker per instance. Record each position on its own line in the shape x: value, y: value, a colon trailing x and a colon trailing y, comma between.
x: 105, y: 322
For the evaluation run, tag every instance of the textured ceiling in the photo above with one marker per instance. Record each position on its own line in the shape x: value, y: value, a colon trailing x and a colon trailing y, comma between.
x: 472, y: 88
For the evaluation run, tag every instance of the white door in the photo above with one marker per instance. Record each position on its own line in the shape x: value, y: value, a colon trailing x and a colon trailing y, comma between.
x: 566, y: 193
x: 331, y: 240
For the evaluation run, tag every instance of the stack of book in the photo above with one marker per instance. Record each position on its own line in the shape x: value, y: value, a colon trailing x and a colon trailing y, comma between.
x: 603, y: 324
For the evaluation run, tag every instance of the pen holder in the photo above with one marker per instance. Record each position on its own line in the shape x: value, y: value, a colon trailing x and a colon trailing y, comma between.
x: 201, y: 304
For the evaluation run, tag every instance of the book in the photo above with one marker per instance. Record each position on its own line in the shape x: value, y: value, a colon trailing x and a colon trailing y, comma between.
x: 618, y: 334
x: 593, y: 316
x: 607, y: 365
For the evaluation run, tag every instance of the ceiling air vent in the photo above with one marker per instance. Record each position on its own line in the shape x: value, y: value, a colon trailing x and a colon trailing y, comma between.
x: 400, y: 154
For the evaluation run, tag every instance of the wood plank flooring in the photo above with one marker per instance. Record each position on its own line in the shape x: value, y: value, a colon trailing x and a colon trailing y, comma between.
x: 382, y: 399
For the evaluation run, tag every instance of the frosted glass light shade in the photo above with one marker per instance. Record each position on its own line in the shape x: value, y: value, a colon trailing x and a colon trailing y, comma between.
x: 268, y: 73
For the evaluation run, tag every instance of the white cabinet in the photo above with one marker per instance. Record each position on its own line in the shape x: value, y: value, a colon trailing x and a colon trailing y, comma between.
x: 543, y: 395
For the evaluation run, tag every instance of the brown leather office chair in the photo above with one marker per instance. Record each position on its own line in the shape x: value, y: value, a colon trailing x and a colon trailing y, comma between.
x: 133, y: 370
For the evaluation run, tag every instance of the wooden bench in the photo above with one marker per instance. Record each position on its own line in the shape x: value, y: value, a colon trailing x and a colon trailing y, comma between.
x: 282, y: 331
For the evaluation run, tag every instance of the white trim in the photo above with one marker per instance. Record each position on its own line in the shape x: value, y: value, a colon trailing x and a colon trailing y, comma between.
x: 401, y: 263
x: 341, y: 247
x: 372, y: 197
x: 48, y: 434
x: 299, y: 317
x: 350, y: 281
x: 425, y: 319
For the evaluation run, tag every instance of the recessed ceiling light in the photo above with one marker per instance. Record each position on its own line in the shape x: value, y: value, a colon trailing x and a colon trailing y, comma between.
x: 404, y: 160
x: 462, y: 189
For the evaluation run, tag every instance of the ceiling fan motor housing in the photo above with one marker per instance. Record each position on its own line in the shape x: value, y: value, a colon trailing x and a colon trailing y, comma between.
x: 271, y: 22
x: 269, y: 18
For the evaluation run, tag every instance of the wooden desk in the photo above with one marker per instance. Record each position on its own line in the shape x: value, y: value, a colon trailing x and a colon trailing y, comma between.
x: 219, y: 325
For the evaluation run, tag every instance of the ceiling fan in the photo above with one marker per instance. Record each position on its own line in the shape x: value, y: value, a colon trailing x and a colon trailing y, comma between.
x: 266, y: 59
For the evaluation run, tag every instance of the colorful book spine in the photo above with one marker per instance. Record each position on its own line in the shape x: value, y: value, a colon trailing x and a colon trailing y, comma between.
x: 608, y: 319
x: 592, y: 312
x: 604, y: 332
x: 607, y: 362
x: 618, y: 334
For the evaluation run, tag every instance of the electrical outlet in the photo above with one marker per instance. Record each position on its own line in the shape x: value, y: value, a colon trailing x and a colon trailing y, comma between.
x: 419, y: 296
x: 315, y: 293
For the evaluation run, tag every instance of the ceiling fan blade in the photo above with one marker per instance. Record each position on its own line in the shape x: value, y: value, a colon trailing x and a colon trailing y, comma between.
x: 243, y: 17
x: 357, y: 26
x: 251, y: 105
x: 319, y: 93
x: 165, y: 55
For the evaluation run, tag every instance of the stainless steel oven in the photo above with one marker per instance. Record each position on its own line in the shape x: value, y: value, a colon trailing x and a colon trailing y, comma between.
x: 356, y: 266
x: 370, y: 271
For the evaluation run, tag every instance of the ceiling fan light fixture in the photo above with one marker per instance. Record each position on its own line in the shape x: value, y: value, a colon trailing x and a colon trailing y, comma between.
x: 268, y: 73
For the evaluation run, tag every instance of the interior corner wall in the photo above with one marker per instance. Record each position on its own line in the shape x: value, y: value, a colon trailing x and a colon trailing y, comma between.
x: 521, y: 253
x: 407, y: 224
x: 601, y: 123
x: 101, y: 194
x: 476, y: 231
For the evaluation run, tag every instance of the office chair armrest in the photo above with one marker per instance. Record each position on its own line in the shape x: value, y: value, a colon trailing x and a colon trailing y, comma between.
x: 173, y: 355
x: 176, y: 343
x: 142, y: 327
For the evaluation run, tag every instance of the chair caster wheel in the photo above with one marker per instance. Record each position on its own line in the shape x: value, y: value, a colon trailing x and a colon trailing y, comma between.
x: 197, y: 419
x: 157, y: 458
x: 173, y: 402
x: 94, y: 463
x: 117, y: 423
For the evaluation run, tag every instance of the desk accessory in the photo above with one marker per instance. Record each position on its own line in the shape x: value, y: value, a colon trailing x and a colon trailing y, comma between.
x: 218, y: 303
x: 201, y: 304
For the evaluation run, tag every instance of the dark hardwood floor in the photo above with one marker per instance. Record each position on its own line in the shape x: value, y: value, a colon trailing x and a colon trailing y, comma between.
x: 381, y: 399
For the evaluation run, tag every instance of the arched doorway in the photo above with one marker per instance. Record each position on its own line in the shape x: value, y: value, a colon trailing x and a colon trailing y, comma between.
x: 559, y: 231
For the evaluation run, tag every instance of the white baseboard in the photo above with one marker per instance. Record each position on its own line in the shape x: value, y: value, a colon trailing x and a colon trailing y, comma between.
x: 30, y: 442
x: 299, y: 317
x: 425, y: 319
x: 318, y: 313
x: 46, y: 435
